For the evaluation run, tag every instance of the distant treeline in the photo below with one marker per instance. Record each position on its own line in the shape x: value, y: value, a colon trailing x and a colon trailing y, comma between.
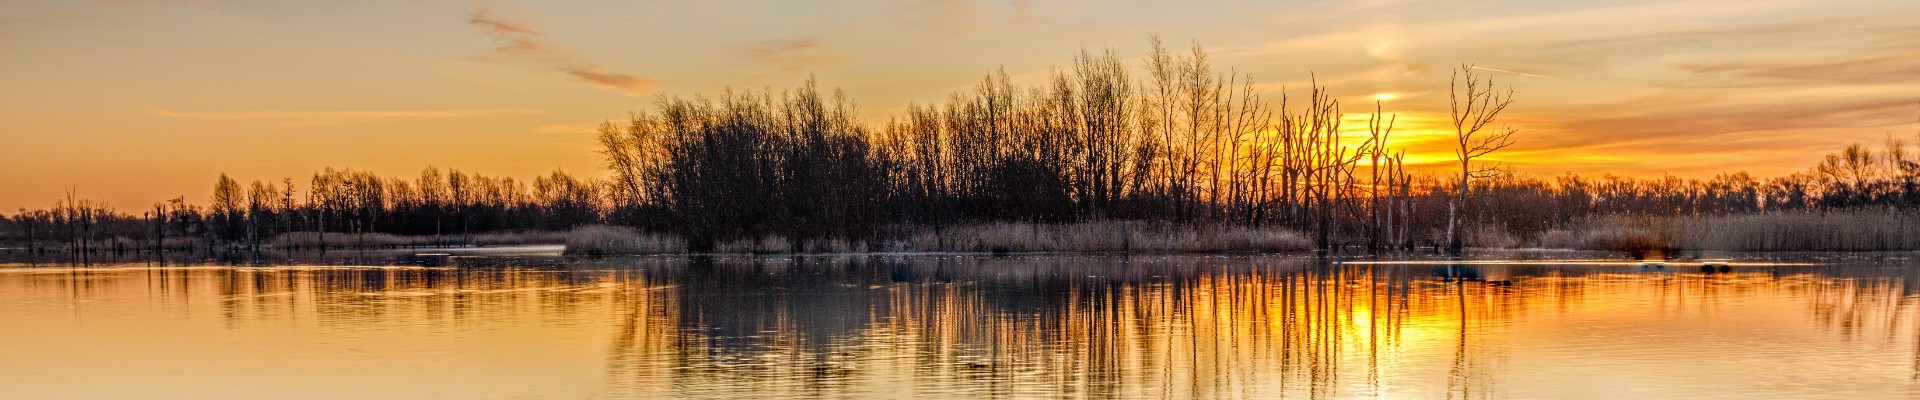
x: 1172, y: 141
x: 447, y: 205
x: 1857, y: 178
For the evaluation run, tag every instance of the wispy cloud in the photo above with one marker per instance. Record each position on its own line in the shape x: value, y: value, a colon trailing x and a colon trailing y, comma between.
x: 1515, y: 73
x: 791, y: 54
x: 1690, y: 87
x: 520, y: 43
x: 1861, y: 70
x: 499, y: 27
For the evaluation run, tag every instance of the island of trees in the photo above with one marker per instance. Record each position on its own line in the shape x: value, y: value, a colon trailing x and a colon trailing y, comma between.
x: 1165, y: 153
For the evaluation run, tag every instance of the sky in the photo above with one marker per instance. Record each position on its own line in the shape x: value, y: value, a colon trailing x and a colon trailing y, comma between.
x: 132, y: 102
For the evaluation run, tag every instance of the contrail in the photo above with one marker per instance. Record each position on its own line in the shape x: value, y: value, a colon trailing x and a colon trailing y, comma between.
x: 1517, y: 73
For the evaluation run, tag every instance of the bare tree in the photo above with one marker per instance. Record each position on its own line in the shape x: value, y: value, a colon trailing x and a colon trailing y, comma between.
x: 286, y: 205
x: 1474, y: 105
x: 259, y: 204
x: 1379, y: 129
x: 226, y: 203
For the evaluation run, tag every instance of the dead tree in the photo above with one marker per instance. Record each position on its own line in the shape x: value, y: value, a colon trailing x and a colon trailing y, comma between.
x: 1472, y: 111
x: 1379, y: 128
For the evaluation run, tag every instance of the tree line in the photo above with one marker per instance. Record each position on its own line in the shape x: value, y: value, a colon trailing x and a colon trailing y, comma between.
x: 449, y: 203
x: 1174, y: 139
x: 1184, y: 142
x: 1166, y: 137
x: 1858, y: 177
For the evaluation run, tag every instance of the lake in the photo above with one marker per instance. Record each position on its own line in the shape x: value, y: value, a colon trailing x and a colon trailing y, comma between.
x: 535, y: 325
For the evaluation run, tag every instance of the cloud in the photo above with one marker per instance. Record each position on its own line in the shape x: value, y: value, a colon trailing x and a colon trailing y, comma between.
x: 519, y: 43
x: 1516, y: 73
x: 610, y: 80
x: 1693, y: 87
x: 337, y: 117
x: 1860, y: 70
x: 790, y: 55
x: 1770, y: 94
x: 499, y: 27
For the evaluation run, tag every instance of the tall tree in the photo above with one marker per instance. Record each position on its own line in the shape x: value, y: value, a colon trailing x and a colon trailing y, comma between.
x: 226, y: 204
x: 1474, y: 105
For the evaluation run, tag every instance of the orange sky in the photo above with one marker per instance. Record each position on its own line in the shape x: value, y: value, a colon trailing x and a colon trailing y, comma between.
x: 135, y: 101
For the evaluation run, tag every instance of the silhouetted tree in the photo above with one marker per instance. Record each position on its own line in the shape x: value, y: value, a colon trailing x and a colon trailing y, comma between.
x: 1474, y: 105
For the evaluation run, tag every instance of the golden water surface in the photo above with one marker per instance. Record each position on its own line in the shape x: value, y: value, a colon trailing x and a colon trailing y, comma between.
x: 963, y: 326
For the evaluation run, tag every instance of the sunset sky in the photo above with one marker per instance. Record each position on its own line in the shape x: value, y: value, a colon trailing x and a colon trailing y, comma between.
x: 132, y: 101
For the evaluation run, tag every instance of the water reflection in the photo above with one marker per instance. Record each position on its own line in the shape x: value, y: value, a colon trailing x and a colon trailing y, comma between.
x: 1040, y: 326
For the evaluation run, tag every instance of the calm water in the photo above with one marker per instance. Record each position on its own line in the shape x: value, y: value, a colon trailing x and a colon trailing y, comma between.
x: 926, y: 326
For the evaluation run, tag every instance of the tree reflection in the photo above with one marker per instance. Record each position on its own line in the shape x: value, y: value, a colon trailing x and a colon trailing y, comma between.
x: 1028, y: 326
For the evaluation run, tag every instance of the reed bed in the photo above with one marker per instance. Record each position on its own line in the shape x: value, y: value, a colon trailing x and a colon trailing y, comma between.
x: 343, y: 240
x: 338, y: 240
x: 1883, y: 230
x: 600, y: 240
x: 1101, y: 236
x: 1006, y: 237
x: 1490, y: 237
x: 763, y: 245
x: 1867, y: 230
x: 517, y: 238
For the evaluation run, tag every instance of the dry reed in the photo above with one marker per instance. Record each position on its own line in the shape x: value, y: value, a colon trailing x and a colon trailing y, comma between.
x: 1100, y: 236
x: 338, y: 240
x: 600, y: 240
x: 342, y: 240
x: 1866, y: 230
x: 1004, y: 237
x: 765, y: 245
